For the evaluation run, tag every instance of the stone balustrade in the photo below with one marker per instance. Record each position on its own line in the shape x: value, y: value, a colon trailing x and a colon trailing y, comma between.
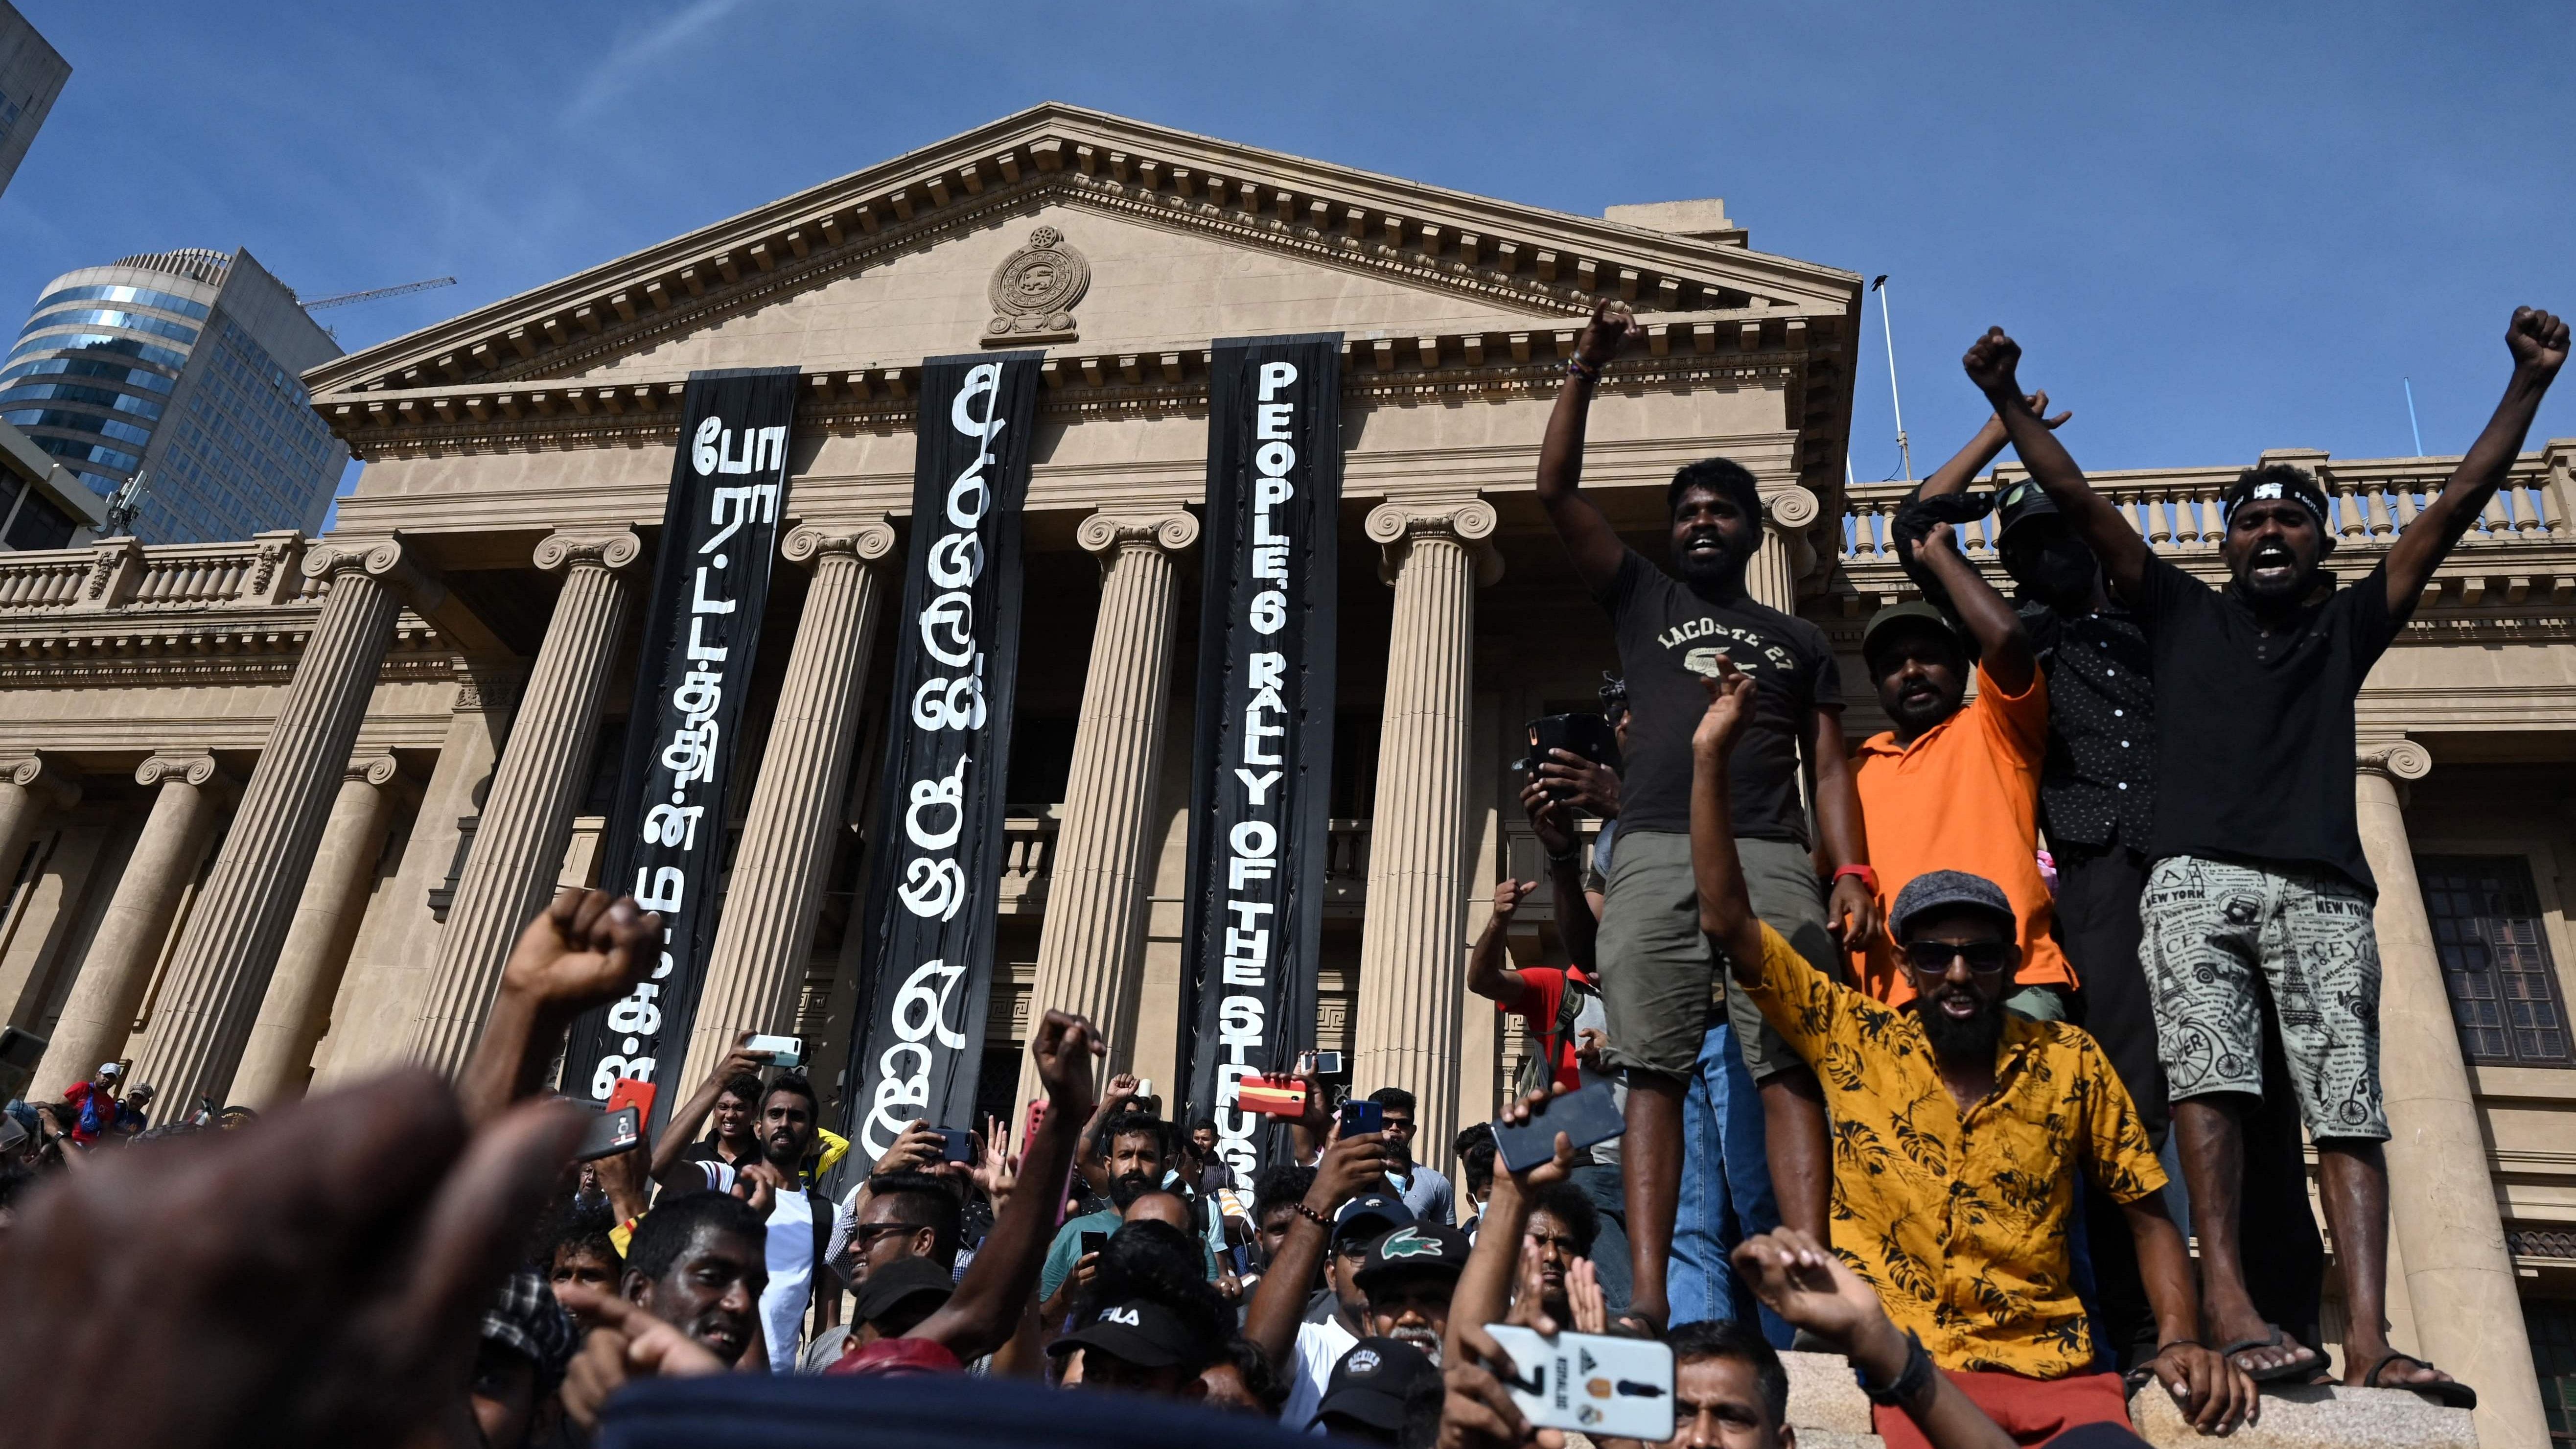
x: 1028, y: 857
x: 119, y: 575
x: 2373, y: 500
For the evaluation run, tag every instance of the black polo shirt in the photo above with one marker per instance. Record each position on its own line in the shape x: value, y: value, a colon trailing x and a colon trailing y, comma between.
x: 2255, y: 728
x: 2097, y: 786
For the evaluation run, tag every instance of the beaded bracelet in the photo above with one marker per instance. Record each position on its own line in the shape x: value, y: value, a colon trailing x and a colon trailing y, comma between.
x: 1581, y: 371
x: 1312, y: 1216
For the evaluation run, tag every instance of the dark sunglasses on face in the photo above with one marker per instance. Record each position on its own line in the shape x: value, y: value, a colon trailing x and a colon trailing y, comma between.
x: 1932, y: 958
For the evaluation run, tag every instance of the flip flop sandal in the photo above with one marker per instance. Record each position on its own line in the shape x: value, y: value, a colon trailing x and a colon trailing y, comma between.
x: 2295, y: 1368
x: 2449, y: 1393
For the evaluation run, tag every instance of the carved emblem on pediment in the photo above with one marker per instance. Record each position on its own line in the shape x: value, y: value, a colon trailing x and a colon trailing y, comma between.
x: 1035, y: 290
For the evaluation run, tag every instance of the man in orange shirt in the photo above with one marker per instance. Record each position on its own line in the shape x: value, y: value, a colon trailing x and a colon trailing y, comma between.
x: 1955, y: 786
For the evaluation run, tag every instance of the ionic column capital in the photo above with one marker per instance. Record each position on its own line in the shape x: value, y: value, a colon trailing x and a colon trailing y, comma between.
x: 1395, y: 524
x: 865, y: 539
x: 1105, y: 533
x: 2398, y: 761
x: 42, y: 778
x: 194, y: 767
x: 390, y: 562
x: 1792, y: 508
x: 377, y: 770
x: 611, y: 551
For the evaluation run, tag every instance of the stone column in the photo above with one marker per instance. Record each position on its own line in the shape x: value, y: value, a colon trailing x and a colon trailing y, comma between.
x: 1093, y: 938
x: 30, y: 785
x: 776, y: 887
x: 109, y: 989
x: 1772, y: 576
x: 2442, y: 1207
x: 527, y: 818
x: 277, y: 1060
x: 220, y: 971
x: 1413, y: 946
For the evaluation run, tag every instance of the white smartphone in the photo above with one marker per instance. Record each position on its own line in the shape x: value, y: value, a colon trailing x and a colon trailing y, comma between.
x: 1592, y: 1383
x: 784, y: 1051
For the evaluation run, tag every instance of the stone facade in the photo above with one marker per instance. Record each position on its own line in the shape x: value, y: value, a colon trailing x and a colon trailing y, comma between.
x: 273, y: 809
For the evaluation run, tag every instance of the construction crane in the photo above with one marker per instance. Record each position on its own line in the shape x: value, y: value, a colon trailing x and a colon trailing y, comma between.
x: 343, y: 299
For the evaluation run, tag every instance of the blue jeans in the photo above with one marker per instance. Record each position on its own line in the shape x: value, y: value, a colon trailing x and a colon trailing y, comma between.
x: 1725, y: 1190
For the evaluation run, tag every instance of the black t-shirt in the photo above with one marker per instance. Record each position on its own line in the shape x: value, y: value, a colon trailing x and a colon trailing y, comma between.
x: 1669, y: 639
x: 2254, y: 731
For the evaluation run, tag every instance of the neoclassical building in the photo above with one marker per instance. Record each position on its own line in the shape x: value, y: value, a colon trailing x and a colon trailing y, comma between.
x: 273, y: 809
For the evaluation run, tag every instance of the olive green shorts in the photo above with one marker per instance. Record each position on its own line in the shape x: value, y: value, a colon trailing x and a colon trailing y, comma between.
x: 1659, y: 975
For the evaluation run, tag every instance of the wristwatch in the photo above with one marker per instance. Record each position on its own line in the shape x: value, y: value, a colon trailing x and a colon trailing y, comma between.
x: 1910, y: 1383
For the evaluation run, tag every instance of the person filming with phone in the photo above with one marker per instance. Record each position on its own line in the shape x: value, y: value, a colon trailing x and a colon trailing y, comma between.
x: 1960, y: 1128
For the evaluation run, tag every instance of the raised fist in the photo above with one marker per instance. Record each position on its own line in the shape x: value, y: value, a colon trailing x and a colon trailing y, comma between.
x: 1992, y: 361
x: 2538, y: 339
x: 1611, y: 328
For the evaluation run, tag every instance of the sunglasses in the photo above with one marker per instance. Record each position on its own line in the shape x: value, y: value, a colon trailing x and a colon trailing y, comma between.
x: 1932, y: 958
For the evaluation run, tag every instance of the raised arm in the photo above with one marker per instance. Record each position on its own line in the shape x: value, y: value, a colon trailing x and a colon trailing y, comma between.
x: 1350, y: 1164
x: 1588, y: 536
x: 1980, y: 450
x: 984, y: 1312
x: 2003, y: 645
x: 1484, y: 1291
x: 1725, y: 908
x: 1991, y: 365
x: 1489, y: 968
x: 2538, y: 341
x: 584, y: 950
x: 1551, y: 820
x: 690, y: 1115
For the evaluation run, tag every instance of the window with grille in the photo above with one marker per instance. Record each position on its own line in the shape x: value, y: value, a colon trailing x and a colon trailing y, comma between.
x: 2494, y: 950
x: 2553, y: 1353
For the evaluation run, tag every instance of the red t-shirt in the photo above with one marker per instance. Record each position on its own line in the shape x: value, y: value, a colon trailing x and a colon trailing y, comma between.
x: 1542, y: 993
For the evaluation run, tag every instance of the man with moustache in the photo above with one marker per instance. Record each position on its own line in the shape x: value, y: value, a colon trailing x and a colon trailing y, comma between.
x: 1960, y: 1128
x: 697, y: 1263
x: 1139, y: 1150
x: 2259, y: 881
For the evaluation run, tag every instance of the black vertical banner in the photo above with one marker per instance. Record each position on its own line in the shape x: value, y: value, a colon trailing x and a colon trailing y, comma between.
x: 701, y: 632
x: 937, y: 847
x: 1261, y: 775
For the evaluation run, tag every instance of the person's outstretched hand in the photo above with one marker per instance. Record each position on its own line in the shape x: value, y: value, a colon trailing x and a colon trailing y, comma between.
x: 1730, y: 704
x: 1556, y: 1168
x: 1476, y: 1411
x: 1583, y: 1294
x: 1612, y: 327
x: 1992, y: 362
x: 316, y: 1278
x: 1064, y: 1047
x: 584, y: 950
x: 629, y: 1343
x: 1801, y: 1280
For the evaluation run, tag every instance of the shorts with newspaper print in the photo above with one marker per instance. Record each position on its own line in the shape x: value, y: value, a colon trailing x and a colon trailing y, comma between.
x: 2218, y: 933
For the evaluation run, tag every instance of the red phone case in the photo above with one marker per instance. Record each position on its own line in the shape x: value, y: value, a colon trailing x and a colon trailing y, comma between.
x: 1272, y: 1096
x: 631, y: 1093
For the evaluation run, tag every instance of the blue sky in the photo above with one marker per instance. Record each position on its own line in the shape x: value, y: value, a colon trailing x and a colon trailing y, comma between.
x: 2216, y: 228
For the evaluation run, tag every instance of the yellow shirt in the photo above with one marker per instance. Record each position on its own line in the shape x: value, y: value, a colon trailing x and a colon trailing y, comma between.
x: 1960, y: 1223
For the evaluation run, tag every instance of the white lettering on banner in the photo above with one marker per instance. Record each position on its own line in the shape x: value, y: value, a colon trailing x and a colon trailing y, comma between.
x: 1244, y: 1039
x: 937, y: 888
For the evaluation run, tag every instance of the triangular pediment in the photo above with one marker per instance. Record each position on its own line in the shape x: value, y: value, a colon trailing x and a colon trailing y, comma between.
x: 1184, y: 238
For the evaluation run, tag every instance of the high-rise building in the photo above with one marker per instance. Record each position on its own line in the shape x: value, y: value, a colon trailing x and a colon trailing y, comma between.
x: 180, y: 366
x: 32, y: 73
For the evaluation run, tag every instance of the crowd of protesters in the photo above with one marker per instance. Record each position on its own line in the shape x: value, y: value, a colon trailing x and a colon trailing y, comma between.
x: 1898, y: 1032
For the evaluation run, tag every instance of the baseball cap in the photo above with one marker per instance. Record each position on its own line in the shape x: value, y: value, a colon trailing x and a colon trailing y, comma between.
x: 1912, y: 614
x: 1941, y: 889
x: 110, y: 1069
x: 2018, y: 502
x: 1414, y: 1246
x: 2276, y: 481
x: 1369, y: 1215
x: 1139, y: 1330
x: 1371, y: 1383
x: 891, y: 1284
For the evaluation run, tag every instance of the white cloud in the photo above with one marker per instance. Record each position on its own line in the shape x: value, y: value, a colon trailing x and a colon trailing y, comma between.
x: 636, y: 53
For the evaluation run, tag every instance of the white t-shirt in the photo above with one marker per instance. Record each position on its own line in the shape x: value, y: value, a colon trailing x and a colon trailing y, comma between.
x: 1319, y: 1347
x: 791, y: 1278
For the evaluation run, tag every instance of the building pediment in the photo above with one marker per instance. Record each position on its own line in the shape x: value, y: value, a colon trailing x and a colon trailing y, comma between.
x: 1183, y: 238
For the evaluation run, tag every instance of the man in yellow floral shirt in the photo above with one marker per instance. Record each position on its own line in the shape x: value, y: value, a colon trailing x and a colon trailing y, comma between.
x: 1959, y: 1129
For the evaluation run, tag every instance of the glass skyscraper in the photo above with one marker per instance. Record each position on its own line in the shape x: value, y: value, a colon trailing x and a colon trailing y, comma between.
x: 182, y: 366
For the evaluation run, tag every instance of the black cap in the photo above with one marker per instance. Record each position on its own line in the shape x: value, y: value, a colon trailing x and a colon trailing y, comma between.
x: 1434, y: 1246
x: 2019, y: 501
x: 1139, y: 1330
x: 891, y: 1284
x: 1913, y: 614
x: 2275, y: 481
x: 1369, y: 1215
x: 1942, y: 889
x: 1371, y: 1383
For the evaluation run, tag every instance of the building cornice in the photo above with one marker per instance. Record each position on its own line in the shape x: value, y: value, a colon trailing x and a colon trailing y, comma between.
x: 1520, y: 256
